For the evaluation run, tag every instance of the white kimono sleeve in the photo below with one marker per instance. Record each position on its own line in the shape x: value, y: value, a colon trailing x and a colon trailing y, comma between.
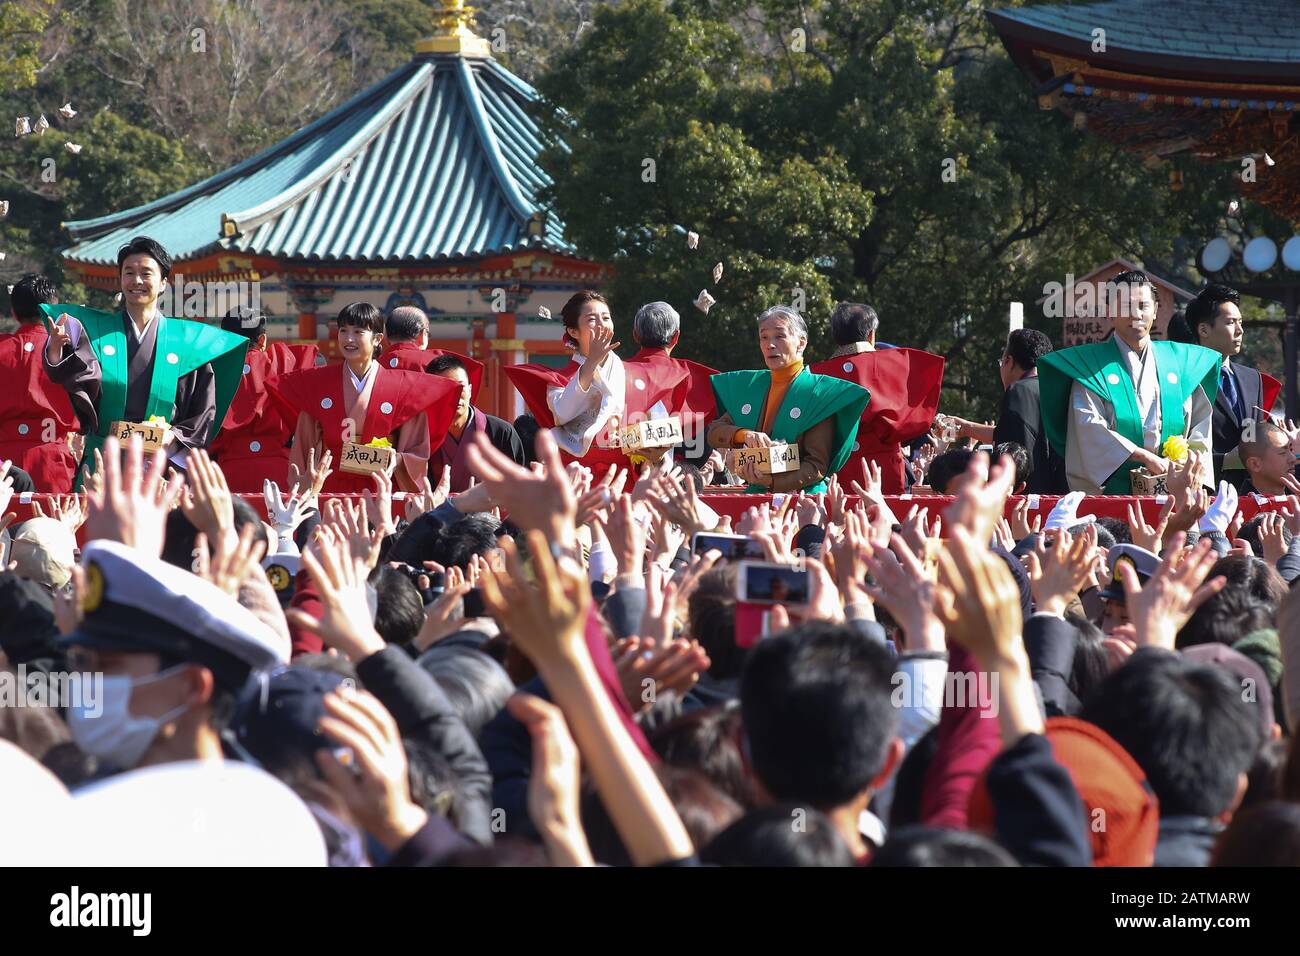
x: 1093, y: 449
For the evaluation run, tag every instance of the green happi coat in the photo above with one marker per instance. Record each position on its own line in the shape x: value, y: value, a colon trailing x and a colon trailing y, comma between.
x: 1101, y: 369
x: 180, y: 347
x: 809, y: 400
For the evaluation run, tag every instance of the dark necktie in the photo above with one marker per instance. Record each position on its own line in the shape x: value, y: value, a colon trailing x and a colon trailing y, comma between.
x: 1228, y: 382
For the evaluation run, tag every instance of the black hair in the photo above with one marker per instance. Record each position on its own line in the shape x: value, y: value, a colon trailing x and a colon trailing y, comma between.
x: 527, y: 426
x: 1137, y: 277
x: 944, y: 468
x: 1224, y: 619
x: 853, y: 322
x: 400, y: 612
x: 919, y: 845
x: 1205, y: 307
x: 1247, y: 603
x: 29, y: 293
x: 445, y: 363
x: 1091, y: 662
x: 245, y: 321
x: 1264, y: 835
x: 178, y: 542
x: 428, y: 539
x: 1118, y: 530
x: 704, y: 810
x: 1019, y: 456
x: 405, y: 324
x: 711, y: 617
x: 1185, y: 724
x: 572, y: 310
x: 817, y: 714
x: 779, y: 835
x: 434, y: 784
x: 1026, y: 346
x: 143, y: 245
x: 362, y: 315
x: 708, y: 740
x: 1179, y: 331
x: 1264, y: 780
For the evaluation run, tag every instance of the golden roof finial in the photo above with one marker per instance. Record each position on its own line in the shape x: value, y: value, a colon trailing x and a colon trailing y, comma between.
x: 453, y: 22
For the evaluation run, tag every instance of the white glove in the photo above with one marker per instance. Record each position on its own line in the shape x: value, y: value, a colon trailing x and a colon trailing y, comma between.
x: 1065, y: 514
x: 285, y: 516
x: 1221, y: 510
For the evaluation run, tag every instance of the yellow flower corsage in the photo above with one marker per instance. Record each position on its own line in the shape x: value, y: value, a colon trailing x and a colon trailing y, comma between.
x: 157, y: 419
x: 380, y: 443
x: 1175, y: 448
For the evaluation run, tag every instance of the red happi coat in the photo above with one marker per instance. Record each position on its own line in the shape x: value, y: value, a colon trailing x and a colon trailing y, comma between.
x: 405, y: 356
x: 904, y: 386
x: 32, y: 409
x: 395, y: 398
x: 693, y: 400
x: 645, y: 385
x: 252, y: 444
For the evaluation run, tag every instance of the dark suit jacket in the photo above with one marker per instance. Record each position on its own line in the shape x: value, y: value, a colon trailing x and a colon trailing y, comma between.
x: 1226, y: 424
x: 1020, y: 421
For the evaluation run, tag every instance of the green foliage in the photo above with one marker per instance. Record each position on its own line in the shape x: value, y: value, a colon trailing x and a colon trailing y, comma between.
x: 121, y: 166
x: 21, y: 25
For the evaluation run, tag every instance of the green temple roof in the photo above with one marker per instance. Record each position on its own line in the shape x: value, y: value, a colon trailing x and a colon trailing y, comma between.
x: 437, y: 161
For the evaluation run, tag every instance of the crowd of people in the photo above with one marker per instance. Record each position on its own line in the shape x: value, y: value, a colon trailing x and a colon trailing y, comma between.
x: 446, y: 639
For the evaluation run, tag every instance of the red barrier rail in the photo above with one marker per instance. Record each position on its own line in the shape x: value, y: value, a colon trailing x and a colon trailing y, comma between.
x: 734, y: 505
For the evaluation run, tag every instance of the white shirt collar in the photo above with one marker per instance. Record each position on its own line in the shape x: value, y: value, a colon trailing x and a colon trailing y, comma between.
x: 360, y: 383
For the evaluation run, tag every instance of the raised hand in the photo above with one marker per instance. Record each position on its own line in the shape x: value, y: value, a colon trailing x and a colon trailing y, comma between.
x: 1222, y: 510
x: 59, y: 340
x: 375, y: 787
x: 233, y: 562
x: 347, y: 519
x: 546, y: 622
x: 65, y: 509
x: 980, y: 496
x: 1159, y: 609
x: 1057, y: 574
x: 344, y: 623
x: 1021, y: 526
x: 209, y: 505
x: 131, y: 504
x: 602, y: 344
x: 285, y: 516
x: 428, y: 498
x: 543, y: 502
x: 309, y: 485
x: 1145, y: 535
x: 627, y: 538
x: 905, y: 588
x: 555, y: 784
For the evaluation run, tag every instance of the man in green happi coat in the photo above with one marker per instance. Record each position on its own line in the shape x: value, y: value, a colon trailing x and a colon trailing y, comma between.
x: 1109, y: 407
x: 137, y: 364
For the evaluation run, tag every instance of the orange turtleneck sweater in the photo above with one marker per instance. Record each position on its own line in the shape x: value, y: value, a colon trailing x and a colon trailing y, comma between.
x: 781, y: 379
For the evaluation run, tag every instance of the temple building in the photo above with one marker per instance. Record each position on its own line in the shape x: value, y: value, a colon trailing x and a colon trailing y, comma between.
x: 420, y: 190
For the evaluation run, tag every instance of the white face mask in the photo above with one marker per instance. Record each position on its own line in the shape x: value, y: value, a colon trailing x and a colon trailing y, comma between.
x: 117, y: 736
